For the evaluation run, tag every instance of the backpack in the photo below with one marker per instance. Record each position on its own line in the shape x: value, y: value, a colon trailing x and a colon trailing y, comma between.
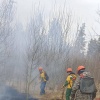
x: 87, y: 85
x: 47, y: 77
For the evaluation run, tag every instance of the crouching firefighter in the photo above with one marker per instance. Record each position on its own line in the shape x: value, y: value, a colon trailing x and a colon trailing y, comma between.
x: 43, y: 79
x: 69, y: 82
x: 84, y: 87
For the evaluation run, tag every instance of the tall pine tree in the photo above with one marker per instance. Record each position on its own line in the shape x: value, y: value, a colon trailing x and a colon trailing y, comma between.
x: 80, y: 41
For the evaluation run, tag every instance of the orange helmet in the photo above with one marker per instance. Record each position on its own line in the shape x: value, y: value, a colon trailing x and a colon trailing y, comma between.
x: 80, y: 68
x: 40, y: 68
x: 69, y: 70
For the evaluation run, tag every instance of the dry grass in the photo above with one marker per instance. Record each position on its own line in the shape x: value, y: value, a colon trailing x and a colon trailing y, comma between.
x: 50, y: 94
x: 98, y: 90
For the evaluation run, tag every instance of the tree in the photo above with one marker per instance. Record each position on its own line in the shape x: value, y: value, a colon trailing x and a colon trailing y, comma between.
x: 6, y: 37
x: 33, y: 50
x: 80, y: 40
x: 56, y: 54
x: 93, y: 57
x: 92, y: 48
x: 55, y: 34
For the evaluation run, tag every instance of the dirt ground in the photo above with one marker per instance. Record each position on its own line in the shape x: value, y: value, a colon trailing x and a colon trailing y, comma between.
x: 50, y: 96
x: 56, y: 96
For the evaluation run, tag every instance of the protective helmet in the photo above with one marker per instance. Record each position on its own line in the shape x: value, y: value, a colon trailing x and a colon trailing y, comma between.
x: 69, y: 70
x: 40, y: 68
x: 80, y: 68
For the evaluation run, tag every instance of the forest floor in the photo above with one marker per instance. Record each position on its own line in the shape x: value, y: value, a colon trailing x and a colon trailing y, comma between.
x: 50, y: 96
x: 56, y: 96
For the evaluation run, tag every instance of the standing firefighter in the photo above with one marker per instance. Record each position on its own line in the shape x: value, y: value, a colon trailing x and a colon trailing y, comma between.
x: 69, y: 82
x: 44, y: 78
x: 84, y: 87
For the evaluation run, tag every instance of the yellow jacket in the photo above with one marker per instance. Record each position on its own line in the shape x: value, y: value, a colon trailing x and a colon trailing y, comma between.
x: 69, y: 81
x: 42, y: 76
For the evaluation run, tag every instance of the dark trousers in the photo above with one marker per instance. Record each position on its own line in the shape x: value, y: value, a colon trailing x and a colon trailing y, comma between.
x: 42, y: 88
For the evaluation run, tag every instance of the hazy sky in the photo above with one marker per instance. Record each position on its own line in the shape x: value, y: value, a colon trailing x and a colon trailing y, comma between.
x: 83, y: 10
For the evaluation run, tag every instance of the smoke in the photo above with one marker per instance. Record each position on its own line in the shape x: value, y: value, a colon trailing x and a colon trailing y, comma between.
x: 9, y: 93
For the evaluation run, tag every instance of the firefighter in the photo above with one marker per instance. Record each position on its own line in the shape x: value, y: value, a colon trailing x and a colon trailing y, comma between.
x: 69, y: 82
x: 77, y: 89
x: 43, y: 80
